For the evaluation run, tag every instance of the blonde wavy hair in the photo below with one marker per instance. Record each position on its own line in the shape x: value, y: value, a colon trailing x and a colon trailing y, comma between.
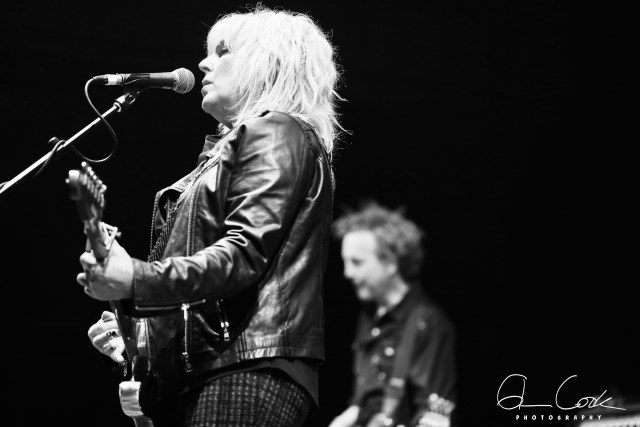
x: 283, y: 62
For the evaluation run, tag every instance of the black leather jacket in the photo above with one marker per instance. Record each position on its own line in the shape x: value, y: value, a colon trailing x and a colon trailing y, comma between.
x: 242, y: 273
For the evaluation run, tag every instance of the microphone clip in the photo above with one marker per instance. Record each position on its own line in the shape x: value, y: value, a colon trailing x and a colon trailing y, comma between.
x: 128, y: 98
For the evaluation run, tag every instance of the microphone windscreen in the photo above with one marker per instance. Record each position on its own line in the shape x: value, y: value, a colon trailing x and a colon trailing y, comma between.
x: 184, y: 80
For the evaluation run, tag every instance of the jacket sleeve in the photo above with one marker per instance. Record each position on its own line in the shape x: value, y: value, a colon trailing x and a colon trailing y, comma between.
x: 270, y: 173
x: 434, y: 363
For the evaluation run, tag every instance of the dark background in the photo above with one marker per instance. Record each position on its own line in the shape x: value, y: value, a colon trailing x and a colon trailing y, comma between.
x: 503, y: 128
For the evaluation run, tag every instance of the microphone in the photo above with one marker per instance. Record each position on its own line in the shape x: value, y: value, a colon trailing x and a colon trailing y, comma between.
x: 180, y: 80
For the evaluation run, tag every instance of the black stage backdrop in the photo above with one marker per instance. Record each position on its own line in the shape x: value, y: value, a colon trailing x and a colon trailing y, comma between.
x: 503, y: 128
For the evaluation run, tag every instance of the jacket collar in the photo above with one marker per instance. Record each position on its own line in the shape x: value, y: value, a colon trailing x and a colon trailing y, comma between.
x: 207, y: 149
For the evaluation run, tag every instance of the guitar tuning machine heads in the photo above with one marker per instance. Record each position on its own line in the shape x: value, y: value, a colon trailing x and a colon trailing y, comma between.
x: 88, y: 169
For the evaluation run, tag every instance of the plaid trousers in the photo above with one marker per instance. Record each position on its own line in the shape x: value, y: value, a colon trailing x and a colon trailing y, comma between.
x: 261, y: 398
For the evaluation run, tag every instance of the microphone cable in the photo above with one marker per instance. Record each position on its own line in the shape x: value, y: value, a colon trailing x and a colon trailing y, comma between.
x: 58, y: 142
x: 114, y: 147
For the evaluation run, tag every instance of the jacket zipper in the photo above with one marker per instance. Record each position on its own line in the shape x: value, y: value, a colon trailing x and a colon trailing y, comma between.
x: 186, y: 358
x: 186, y: 315
x: 224, y: 322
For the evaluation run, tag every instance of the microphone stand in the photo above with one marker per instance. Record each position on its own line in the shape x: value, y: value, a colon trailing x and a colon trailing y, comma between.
x: 122, y: 103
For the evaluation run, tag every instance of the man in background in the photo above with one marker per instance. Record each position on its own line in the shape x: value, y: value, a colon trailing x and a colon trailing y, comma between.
x: 404, y: 357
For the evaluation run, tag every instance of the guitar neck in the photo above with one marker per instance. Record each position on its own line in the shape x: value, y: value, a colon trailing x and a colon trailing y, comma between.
x: 98, y: 241
x: 87, y: 190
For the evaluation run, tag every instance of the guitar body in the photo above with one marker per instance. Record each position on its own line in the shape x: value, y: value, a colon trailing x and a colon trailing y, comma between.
x: 130, y: 403
x: 87, y: 190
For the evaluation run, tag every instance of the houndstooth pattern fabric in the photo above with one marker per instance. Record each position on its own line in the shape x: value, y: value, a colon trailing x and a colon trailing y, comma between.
x: 262, y: 398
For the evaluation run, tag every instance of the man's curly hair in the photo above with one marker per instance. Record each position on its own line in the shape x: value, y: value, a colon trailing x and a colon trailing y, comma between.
x: 399, y: 239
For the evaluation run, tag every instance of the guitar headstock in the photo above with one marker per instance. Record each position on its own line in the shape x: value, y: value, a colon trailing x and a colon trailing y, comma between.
x: 87, y: 190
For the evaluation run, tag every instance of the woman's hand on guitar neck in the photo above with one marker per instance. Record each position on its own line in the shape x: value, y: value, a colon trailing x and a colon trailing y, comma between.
x: 109, y: 279
x: 106, y: 337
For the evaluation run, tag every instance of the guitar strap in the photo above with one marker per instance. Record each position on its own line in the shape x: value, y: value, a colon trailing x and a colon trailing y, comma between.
x: 155, y: 255
x: 396, y: 387
x: 161, y: 242
x: 172, y: 206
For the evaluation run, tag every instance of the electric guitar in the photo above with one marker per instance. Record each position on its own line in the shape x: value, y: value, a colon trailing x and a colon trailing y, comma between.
x: 437, y: 414
x: 87, y: 190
